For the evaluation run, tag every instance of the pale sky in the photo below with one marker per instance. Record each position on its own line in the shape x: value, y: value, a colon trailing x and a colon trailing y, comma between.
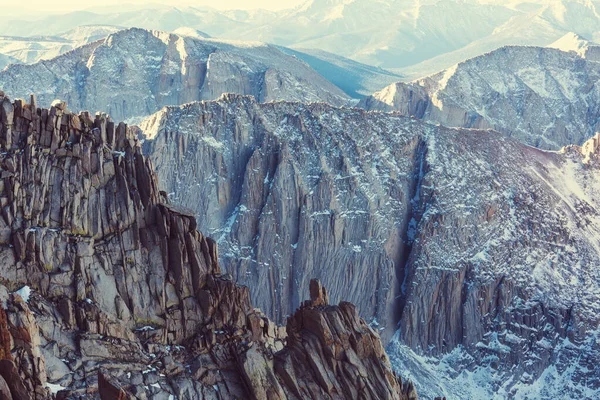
x: 74, y: 5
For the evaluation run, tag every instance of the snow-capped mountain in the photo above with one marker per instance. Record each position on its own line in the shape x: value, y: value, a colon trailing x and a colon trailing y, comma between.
x: 484, y: 250
x: 135, y: 72
x: 536, y: 23
x: 544, y: 97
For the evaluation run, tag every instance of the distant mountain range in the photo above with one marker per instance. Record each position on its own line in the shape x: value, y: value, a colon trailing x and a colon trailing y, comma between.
x: 413, y: 37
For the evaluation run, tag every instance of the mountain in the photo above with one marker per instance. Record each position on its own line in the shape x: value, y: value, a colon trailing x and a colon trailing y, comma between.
x: 108, y: 289
x: 476, y: 252
x: 544, y: 97
x: 152, y: 17
x: 301, y: 191
x: 414, y: 37
x: 388, y: 34
x: 354, y: 78
x: 133, y: 73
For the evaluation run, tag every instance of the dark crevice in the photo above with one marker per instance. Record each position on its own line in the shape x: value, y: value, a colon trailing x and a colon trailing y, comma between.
x: 414, y: 213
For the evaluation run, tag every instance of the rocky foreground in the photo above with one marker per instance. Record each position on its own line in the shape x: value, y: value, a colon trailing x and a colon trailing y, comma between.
x: 108, y: 290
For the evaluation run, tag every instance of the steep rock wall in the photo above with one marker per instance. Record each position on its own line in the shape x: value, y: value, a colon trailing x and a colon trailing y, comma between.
x: 478, y: 241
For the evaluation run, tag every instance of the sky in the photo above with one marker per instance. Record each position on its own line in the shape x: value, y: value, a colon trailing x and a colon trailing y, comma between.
x: 73, y: 5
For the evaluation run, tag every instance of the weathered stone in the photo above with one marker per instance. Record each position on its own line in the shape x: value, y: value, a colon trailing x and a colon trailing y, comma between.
x: 461, y: 239
x: 4, y: 390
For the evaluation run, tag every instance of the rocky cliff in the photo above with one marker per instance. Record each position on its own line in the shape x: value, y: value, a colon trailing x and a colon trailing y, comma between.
x: 135, y: 72
x: 471, y: 241
x: 291, y: 191
x: 543, y: 97
x: 119, y: 295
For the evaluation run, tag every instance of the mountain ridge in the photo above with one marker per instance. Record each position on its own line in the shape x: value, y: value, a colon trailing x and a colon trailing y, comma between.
x: 416, y: 40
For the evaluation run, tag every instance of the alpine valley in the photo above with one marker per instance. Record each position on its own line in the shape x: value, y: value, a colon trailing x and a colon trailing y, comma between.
x: 375, y: 199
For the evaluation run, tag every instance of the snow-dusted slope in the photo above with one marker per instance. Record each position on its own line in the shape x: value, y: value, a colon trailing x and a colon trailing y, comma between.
x: 84, y: 34
x: 545, y: 97
x: 195, y: 33
x: 31, y: 49
x: 485, y: 250
x: 135, y: 72
x: 5, y: 60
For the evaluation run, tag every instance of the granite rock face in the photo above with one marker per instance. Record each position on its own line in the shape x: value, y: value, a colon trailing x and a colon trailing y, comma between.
x: 469, y: 240
x: 135, y: 72
x: 293, y: 191
x: 543, y: 97
x: 121, y: 297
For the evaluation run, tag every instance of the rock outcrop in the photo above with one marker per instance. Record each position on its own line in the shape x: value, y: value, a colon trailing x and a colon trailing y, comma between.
x: 120, y: 296
x: 134, y: 72
x: 470, y: 240
x: 543, y: 97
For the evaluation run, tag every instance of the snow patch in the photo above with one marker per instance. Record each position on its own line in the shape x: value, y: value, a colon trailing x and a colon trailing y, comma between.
x: 54, y: 388
x: 24, y: 292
